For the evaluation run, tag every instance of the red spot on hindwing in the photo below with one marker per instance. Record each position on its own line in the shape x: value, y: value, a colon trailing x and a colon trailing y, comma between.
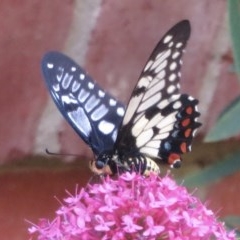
x: 187, y: 132
x: 183, y: 147
x: 172, y: 158
x: 189, y: 110
x: 185, y: 122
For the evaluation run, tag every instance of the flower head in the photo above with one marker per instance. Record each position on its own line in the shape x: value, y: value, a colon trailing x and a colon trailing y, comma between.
x: 132, y: 207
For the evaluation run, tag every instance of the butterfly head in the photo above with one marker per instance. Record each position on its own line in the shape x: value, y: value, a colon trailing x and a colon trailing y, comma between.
x: 103, y: 164
x: 100, y: 168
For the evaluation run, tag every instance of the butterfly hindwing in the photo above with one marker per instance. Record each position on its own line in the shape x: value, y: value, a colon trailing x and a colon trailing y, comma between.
x: 158, y: 122
x: 94, y: 114
x: 173, y: 133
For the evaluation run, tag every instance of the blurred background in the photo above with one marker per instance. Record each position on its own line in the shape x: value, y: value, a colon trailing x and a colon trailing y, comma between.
x: 112, y: 40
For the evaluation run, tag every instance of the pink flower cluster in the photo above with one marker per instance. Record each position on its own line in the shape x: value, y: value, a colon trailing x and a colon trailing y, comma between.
x: 132, y: 207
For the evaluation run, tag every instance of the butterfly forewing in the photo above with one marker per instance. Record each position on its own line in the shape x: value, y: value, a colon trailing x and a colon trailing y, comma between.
x: 154, y: 123
x: 94, y: 114
x: 160, y: 76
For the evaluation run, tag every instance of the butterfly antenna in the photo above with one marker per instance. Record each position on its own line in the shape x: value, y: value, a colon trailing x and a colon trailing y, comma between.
x: 60, y: 154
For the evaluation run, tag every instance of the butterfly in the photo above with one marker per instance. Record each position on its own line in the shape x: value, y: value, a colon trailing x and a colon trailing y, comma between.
x: 158, y: 124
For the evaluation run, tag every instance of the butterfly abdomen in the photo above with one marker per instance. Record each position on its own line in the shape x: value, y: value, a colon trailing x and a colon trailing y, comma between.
x: 140, y: 163
x: 150, y: 167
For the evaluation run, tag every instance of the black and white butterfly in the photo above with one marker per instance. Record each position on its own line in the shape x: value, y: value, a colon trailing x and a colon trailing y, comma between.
x: 158, y: 124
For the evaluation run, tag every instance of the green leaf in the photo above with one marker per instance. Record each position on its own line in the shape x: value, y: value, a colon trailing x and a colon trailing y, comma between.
x: 234, y: 21
x: 232, y: 220
x: 229, y: 165
x: 228, y: 123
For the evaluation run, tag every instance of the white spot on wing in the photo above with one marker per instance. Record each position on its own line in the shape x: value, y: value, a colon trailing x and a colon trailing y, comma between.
x: 175, y: 55
x: 120, y: 111
x: 153, y: 144
x: 112, y: 102
x: 156, y: 88
x: 157, y: 79
x: 166, y: 129
x: 99, y: 113
x: 75, y: 86
x: 159, y: 55
x: 169, y: 119
x: 172, y: 77
x: 153, y: 82
x: 163, y: 104
x: 91, y: 103
x: 170, y: 44
x: 154, y: 121
x: 175, y: 97
x: 83, y: 95
x: 189, y: 148
x: 56, y: 87
x: 55, y: 94
x: 59, y: 74
x: 167, y: 39
x: 138, y: 117
x: 80, y: 120
x: 196, y: 108
x: 50, y: 65
x: 106, y: 127
x: 139, y: 126
x: 149, y: 151
x: 101, y: 93
x: 161, y: 74
x: 160, y: 59
x: 161, y: 66
x: 144, y: 137
x: 82, y: 76
x: 73, y: 69
x: 132, y: 106
x: 90, y: 85
x: 177, y: 105
x: 190, y: 98
x: 66, y: 80
x: 194, y: 132
x: 171, y: 89
x: 114, y: 135
x: 148, y: 65
x: 149, y: 102
x: 67, y: 99
x: 162, y: 136
x: 144, y: 81
x: 178, y: 45
x: 173, y: 66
